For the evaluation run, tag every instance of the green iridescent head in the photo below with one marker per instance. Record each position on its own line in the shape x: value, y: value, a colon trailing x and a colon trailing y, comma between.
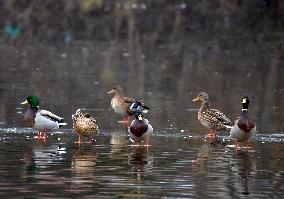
x: 32, y: 100
x: 245, y: 102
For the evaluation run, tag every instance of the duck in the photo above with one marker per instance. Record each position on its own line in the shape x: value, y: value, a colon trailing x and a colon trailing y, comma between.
x: 140, y: 129
x: 122, y: 105
x: 41, y: 120
x: 244, y: 127
x: 211, y: 118
x: 84, y: 125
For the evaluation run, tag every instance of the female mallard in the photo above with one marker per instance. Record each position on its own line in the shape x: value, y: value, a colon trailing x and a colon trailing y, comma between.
x: 211, y: 118
x: 41, y: 120
x: 244, y: 126
x: 84, y: 125
x: 121, y: 104
x: 140, y: 129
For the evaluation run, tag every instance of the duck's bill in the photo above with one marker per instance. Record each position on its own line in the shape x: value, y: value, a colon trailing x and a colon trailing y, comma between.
x: 25, y: 102
x: 195, y: 99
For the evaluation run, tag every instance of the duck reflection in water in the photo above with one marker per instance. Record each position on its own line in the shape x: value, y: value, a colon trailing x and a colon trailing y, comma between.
x: 38, y: 158
x: 30, y: 167
x: 84, y: 161
x: 83, y: 167
x: 140, y: 161
x: 204, y: 154
x: 118, y: 142
x: 243, y: 165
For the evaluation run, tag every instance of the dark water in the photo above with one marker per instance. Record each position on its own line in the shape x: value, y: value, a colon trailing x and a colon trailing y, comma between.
x: 179, y: 165
x: 181, y: 51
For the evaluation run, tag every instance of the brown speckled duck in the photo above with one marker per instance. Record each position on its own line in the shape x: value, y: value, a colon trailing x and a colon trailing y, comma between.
x: 244, y: 127
x: 122, y: 105
x: 84, y: 125
x: 211, y: 118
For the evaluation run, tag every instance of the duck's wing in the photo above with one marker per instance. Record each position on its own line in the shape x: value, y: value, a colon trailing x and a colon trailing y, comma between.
x: 50, y: 115
x: 221, y: 117
x: 216, y: 118
x: 128, y: 100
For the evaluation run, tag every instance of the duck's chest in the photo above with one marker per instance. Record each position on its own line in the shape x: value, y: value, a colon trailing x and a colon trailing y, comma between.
x: 118, y: 106
x: 30, y: 116
x: 205, y: 120
x: 138, y: 128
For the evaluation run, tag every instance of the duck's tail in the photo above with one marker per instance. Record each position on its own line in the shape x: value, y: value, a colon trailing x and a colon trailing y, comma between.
x: 228, y: 126
x: 137, y: 106
x: 62, y: 124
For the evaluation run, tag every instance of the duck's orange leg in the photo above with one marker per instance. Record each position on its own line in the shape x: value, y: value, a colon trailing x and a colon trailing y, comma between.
x: 122, y: 121
x: 44, y: 136
x: 210, y: 133
x: 136, y: 144
x: 38, y: 136
x: 237, y: 145
x: 79, y: 140
x: 147, y: 146
x: 90, y: 141
x: 247, y: 145
x: 125, y: 120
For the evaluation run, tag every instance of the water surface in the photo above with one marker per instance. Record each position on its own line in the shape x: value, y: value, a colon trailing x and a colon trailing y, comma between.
x: 179, y: 165
x: 163, y: 53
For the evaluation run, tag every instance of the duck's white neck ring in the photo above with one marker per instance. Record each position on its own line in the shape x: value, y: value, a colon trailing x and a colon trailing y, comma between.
x: 244, y: 109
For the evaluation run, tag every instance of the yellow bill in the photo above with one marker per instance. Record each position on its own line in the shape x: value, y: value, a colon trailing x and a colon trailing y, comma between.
x: 25, y: 102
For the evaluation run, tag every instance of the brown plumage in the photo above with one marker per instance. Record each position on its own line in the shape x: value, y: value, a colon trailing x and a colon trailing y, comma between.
x: 84, y: 124
x: 211, y: 118
x: 121, y: 104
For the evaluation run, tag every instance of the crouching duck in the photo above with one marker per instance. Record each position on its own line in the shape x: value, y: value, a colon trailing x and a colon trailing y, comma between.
x: 211, y: 118
x: 122, y: 105
x: 84, y: 125
x: 41, y: 120
x: 140, y: 129
x: 244, y: 127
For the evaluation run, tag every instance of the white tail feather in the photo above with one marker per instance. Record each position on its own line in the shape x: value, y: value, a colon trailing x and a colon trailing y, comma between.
x: 228, y: 126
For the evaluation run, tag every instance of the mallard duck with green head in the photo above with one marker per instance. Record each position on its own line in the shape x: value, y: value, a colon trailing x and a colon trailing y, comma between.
x: 122, y: 105
x: 84, y: 125
x: 41, y: 120
x: 244, y: 127
x: 211, y: 118
x: 140, y: 129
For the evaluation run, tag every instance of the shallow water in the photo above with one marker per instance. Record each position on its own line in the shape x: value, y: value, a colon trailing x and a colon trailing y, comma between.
x: 163, y: 56
x: 181, y: 165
